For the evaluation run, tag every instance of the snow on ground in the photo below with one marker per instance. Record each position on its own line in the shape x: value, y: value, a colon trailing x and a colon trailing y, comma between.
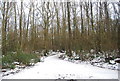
x: 55, y: 68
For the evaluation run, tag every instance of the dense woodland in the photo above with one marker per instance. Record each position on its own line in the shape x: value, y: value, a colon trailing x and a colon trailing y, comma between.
x: 69, y: 26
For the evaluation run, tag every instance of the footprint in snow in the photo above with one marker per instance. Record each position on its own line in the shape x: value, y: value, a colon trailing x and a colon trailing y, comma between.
x: 90, y: 76
x: 37, y: 72
x: 65, y: 76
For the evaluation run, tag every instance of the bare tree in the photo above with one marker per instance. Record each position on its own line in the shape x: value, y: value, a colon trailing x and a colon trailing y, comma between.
x: 118, y: 24
x: 64, y: 28
x: 69, y: 30
x: 107, y: 26
x: 15, y: 29
x: 20, y: 25
x: 4, y: 27
x: 91, y: 13
x: 99, y: 27
x: 87, y: 15
x: 81, y: 15
x: 58, y: 25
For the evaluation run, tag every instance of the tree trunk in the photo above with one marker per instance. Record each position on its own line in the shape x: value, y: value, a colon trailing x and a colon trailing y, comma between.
x: 99, y: 28
x: 4, y: 26
x: 107, y: 26
x: 82, y: 28
x: 58, y: 27
x: 15, y: 30
x: 3, y: 32
x: 118, y: 24
x: 69, y: 30
x: 20, y: 27
x: 91, y: 7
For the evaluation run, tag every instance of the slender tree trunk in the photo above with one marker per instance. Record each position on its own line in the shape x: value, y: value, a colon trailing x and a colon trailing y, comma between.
x: 15, y: 30
x: 58, y: 27
x: 46, y: 26
x: 20, y: 26
x: 82, y: 28
x: 87, y: 15
x: 75, y: 30
x: 4, y: 27
x: 99, y: 28
x: 33, y: 27
x: 107, y: 26
x: 3, y: 32
x: 69, y: 30
x: 118, y: 24
x: 82, y: 25
x: 64, y: 42
x: 91, y: 8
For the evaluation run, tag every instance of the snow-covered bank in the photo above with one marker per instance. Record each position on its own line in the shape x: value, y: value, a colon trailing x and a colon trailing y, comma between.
x: 54, y: 68
x: 99, y: 61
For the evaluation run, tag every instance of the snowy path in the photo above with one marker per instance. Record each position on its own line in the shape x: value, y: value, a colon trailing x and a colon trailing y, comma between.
x: 54, y: 68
